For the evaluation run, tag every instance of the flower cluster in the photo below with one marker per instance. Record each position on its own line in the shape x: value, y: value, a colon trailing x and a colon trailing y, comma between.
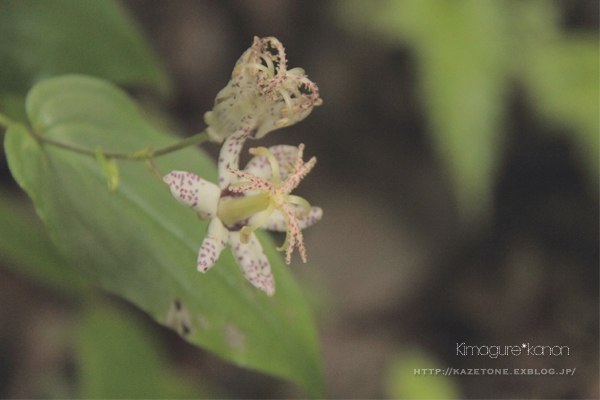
x: 261, y: 96
x: 260, y: 199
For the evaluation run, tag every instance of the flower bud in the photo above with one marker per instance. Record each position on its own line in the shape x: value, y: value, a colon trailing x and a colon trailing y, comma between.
x: 262, y: 94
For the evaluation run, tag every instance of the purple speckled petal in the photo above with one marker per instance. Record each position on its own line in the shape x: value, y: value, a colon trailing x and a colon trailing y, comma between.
x: 192, y: 191
x: 229, y: 157
x: 253, y: 262
x: 212, y: 245
x: 314, y: 216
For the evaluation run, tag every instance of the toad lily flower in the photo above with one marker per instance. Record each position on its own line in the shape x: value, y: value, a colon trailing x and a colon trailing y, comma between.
x: 262, y: 95
x: 260, y: 198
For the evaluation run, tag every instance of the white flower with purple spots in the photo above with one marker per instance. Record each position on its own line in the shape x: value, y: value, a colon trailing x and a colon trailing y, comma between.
x: 262, y: 95
x: 258, y: 196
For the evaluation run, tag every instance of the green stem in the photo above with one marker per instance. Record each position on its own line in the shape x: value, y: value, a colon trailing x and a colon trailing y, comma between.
x: 145, y: 154
x: 196, y: 139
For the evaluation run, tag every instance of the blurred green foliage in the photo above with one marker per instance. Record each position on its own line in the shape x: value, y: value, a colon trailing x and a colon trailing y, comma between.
x: 136, y: 243
x: 469, y: 54
x: 410, y: 376
x: 41, y: 39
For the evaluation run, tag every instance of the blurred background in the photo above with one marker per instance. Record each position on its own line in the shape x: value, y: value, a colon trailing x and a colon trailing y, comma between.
x: 457, y: 151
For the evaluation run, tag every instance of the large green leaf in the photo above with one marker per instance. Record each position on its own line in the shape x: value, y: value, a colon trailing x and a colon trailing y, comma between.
x: 139, y: 243
x: 118, y: 358
x: 43, y: 38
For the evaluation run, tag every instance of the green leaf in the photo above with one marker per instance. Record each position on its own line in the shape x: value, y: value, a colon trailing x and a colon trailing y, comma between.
x: 43, y: 38
x: 26, y: 248
x: 561, y: 71
x: 468, y: 53
x: 141, y: 244
x: 119, y: 358
x: 460, y: 48
x: 464, y: 89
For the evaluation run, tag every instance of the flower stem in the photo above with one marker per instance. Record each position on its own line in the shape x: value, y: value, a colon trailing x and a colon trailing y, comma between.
x: 198, y: 138
x: 141, y: 155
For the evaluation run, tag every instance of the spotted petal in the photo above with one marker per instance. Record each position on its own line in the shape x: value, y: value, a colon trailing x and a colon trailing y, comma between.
x: 192, y: 191
x: 315, y: 215
x: 229, y: 157
x: 253, y: 262
x: 212, y: 245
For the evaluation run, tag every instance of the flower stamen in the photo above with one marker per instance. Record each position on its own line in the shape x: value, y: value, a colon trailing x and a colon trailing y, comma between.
x: 255, y: 66
x: 270, y: 67
x: 301, y: 201
x: 263, y: 151
x: 279, y: 197
x: 286, y: 97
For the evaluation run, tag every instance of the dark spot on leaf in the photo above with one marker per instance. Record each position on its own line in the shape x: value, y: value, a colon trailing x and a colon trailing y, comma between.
x: 179, y: 319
